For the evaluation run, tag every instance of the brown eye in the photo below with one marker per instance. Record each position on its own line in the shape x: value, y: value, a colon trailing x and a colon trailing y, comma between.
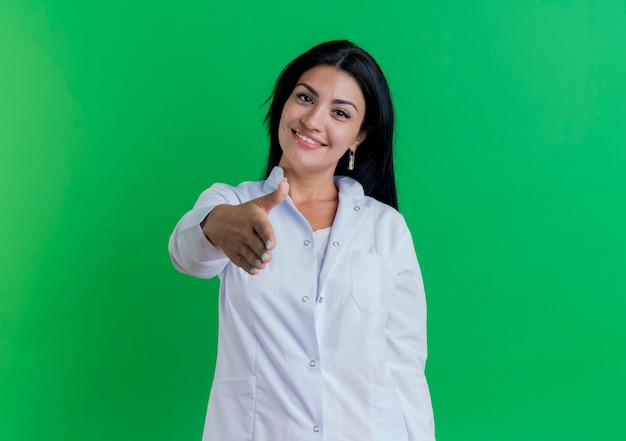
x: 342, y: 114
x: 304, y: 97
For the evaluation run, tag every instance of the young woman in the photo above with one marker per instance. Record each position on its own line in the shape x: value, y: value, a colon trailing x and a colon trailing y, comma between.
x: 322, y: 332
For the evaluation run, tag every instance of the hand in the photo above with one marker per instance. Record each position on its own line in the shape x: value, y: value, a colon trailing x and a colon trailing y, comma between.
x: 243, y: 232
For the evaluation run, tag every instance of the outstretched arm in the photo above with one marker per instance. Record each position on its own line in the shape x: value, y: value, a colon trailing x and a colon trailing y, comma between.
x: 219, y: 228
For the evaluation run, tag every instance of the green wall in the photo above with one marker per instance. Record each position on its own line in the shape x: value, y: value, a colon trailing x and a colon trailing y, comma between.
x: 511, y: 161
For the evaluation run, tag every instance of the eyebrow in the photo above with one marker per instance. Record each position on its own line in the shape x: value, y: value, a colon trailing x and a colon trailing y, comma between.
x: 336, y: 101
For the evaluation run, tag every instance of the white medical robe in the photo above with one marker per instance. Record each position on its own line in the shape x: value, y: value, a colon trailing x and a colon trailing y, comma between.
x: 334, y: 355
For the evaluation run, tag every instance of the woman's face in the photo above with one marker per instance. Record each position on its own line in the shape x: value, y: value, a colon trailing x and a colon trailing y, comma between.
x: 321, y: 119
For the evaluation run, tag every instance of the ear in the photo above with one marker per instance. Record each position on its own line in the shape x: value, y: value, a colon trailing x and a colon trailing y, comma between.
x: 359, y: 139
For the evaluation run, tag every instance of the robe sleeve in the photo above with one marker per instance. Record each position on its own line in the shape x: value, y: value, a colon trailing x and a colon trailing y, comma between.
x: 406, y: 337
x: 191, y: 252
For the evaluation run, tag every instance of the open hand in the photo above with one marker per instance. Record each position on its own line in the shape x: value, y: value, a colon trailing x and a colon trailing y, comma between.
x: 243, y: 232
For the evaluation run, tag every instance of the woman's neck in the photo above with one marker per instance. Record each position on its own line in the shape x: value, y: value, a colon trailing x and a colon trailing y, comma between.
x: 311, y: 188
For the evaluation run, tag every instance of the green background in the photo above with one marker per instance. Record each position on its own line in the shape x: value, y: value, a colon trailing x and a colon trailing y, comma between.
x: 511, y: 162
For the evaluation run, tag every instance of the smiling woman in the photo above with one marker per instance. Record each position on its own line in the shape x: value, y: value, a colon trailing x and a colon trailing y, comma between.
x: 322, y: 327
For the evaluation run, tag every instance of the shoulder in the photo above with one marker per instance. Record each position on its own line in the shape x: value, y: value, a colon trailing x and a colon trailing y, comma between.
x: 385, y: 211
x: 245, y: 191
x: 386, y: 220
x: 388, y: 223
x: 351, y: 190
x: 230, y: 194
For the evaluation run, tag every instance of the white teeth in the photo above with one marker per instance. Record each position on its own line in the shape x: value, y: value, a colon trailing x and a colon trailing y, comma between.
x: 307, y: 139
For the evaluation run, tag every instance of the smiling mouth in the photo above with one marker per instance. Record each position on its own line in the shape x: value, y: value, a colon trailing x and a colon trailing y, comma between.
x: 307, y: 139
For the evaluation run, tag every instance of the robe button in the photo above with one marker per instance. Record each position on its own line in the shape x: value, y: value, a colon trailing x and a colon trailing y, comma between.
x: 335, y: 244
x: 305, y: 298
x: 316, y: 428
x: 312, y: 363
x: 307, y: 243
x: 357, y: 208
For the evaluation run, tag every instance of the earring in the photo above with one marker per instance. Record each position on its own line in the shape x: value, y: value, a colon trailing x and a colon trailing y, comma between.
x: 351, y: 160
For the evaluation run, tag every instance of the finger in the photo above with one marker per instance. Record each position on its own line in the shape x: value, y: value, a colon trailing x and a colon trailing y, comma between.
x: 271, y: 200
x: 249, y: 261
x: 258, y: 259
x: 258, y: 244
x: 265, y: 232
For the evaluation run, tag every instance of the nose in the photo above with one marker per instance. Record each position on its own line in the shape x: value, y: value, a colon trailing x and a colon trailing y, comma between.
x: 313, y: 119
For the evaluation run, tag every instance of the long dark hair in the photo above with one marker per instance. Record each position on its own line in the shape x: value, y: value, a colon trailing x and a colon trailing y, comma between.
x: 374, y: 158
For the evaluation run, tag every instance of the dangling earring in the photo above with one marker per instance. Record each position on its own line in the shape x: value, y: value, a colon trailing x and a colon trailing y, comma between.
x: 351, y: 160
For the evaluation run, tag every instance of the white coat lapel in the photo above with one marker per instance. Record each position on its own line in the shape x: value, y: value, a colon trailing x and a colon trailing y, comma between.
x: 350, y: 213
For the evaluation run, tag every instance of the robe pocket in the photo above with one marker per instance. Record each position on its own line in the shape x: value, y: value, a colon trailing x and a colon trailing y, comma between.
x: 387, y: 416
x: 230, y: 415
x: 371, y: 281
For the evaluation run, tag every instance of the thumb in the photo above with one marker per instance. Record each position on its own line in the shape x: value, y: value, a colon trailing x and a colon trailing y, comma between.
x: 271, y: 200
